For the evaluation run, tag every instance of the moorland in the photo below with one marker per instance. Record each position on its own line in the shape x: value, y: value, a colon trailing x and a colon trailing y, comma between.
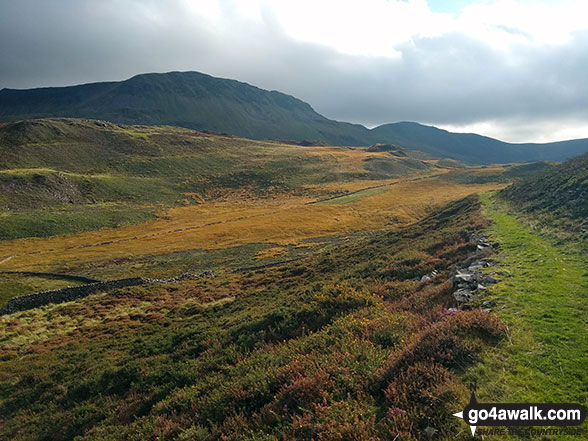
x: 321, y: 303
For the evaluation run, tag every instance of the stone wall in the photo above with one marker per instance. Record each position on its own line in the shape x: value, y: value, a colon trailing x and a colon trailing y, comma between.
x: 35, y: 300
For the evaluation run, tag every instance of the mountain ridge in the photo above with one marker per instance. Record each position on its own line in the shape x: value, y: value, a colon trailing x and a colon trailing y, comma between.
x: 200, y: 101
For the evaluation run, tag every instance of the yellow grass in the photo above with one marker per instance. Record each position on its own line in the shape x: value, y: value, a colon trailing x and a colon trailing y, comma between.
x: 233, y: 222
x: 271, y: 252
x: 345, y: 156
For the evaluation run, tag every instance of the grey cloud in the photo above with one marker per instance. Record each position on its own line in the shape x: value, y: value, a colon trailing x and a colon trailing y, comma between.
x: 451, y: 79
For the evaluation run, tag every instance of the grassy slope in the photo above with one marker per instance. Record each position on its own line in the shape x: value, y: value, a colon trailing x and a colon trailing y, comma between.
x: 545, y: 304
x: 96, y: 174
x: 561, y: 191
x: 239, y: 221
x: 341, y: 345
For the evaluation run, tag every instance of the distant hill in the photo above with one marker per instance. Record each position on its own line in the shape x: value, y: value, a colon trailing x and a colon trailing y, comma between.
x: 561, y: 190
x: 474, y: 148
x: 199, y: 101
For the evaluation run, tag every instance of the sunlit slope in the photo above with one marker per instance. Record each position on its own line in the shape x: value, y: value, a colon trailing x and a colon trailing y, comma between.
x: 88, y: 174
x: 329, y: 347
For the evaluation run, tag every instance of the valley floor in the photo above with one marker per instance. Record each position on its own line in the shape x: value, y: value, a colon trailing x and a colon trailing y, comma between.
x: 257, y: 228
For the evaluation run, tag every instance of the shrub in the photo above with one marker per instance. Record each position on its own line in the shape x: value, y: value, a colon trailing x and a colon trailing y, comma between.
x: 419, y: 397
x: 302, y: 391
x: 349, y: 420
x: 450, y: 342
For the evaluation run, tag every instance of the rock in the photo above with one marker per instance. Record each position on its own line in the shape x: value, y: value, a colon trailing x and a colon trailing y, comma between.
x: 466, y: 307
x: 475, y: 267
x: 466, y: 279
x: 478, y: 264
x: 489, y: 280
x: 428, y: 276
x: 463, y: 275
x: 463, y: 295
x: 481, y: 287
x: 488, y: 303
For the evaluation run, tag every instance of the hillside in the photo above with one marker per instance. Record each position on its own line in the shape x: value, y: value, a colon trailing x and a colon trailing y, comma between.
x: 559, y: 191
x: 68, y: 175
x: 199, y: 101
x: 185, y: 99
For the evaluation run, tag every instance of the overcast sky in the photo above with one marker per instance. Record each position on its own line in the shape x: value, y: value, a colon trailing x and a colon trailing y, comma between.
x: 516, y: 70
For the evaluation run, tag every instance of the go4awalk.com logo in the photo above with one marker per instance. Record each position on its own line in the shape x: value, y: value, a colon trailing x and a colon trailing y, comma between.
x: 520, y: 414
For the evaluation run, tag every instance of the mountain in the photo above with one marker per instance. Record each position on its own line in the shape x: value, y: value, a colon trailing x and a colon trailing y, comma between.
x: 199, y: 101
x: 561, y: 190
x: 473, y: 148
x: 186, y: 99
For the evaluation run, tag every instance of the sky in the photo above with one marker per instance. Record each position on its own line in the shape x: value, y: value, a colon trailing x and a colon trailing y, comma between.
x: 515, y: 70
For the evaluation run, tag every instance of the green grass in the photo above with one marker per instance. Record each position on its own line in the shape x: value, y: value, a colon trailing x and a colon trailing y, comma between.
x: 560, y: 191
x: 545, y: 304
x: 68, y: 219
